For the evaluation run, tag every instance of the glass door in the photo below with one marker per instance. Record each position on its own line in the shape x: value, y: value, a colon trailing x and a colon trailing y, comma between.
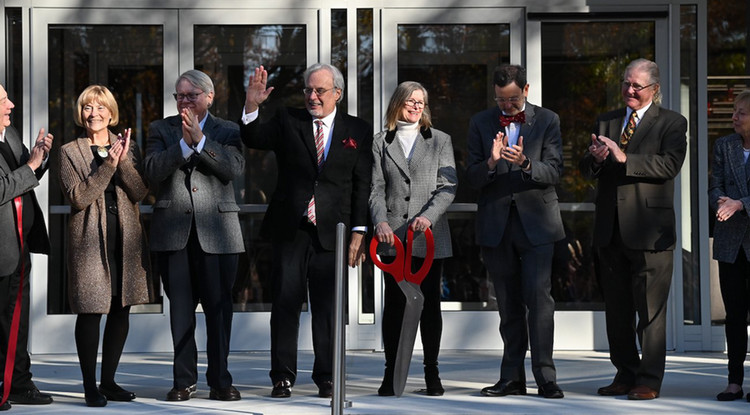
x: 78, y: 48
x: 285, y: 43
x: 453, y: 53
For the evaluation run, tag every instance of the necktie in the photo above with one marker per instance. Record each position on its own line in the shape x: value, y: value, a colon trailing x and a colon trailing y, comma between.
x: 627, y: 133
x: 505, y: 120
x: 319, y: 149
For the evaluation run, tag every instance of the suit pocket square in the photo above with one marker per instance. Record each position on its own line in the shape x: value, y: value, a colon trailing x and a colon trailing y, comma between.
x: 350, y: 143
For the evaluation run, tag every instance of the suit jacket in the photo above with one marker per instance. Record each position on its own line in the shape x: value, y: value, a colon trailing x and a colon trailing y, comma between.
x: 639, y: 194
x: 84, y: 184
x: 534, y: 193
x: 341, y: 188
x: 424, y: 186
x: 198, y: 190
x: 16, y: 183
x: 728, y: 178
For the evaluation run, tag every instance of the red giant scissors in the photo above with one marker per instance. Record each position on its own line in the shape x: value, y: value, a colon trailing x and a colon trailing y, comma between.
x: 409, y: 283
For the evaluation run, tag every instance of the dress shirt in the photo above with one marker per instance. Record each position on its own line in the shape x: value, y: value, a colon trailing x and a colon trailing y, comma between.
x: 513, y: 129
x: 639, y: 117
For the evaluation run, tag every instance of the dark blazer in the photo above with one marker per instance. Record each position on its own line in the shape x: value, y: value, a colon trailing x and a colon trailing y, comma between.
x: 534, y: 194
x: 16, y: 183
x: 341, y: 189
x: 728, y: 178
x: 640, y: 192
x: 210, y: 198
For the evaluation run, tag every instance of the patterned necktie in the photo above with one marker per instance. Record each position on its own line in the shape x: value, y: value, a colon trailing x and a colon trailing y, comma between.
x: 319, y: 149
x: 505, y: 120
x: 627, y: 133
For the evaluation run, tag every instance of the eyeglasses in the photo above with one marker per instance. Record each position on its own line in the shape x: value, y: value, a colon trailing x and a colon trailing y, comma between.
x: 415, y: 104
x: 192, y: 97
x: 318, y: 91
x: 512, y: 100
x: 636, y: 87
x: 90, y: 108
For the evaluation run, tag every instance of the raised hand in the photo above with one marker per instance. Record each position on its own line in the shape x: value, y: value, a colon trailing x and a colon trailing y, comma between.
x: 514, y: 153
x: 125, y: 144
x: 257, y: 92
x: 191, y: 127
x: 498, y: 144
x: 41, y: 149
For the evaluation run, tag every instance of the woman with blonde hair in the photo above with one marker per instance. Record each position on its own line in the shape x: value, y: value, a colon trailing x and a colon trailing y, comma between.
x: 108, y: 262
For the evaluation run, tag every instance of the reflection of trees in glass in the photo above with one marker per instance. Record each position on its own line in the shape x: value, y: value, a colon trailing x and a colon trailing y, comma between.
x: 365, y: 61
x: 727, y: 38
x: 582, y: 65
x: 228, y: 54
x: 455, y: 63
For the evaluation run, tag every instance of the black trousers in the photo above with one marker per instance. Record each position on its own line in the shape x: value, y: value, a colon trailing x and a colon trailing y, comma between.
x: 734, y: 279
x: 636, y: 282
x: 522, y: 275
x: 8, y: 292
x: 430, y: 322
x: 300, y: 266
x: 189, y: 276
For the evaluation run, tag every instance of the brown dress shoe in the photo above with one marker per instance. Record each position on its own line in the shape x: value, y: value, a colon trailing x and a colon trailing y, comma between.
x: 642, y: 393
x: 224, y: 394
x: 176, y: 395
x: 615, y: 389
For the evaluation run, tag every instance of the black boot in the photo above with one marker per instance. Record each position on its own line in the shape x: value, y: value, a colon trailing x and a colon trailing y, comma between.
x: 432, y: 379
x: 386, y: 388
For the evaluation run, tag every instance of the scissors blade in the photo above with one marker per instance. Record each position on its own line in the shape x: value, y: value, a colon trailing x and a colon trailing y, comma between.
x: 409, y: 325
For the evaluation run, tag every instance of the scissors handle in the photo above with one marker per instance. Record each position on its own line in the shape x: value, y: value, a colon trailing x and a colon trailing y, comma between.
x: 395, y: 268
x: 429, y: 255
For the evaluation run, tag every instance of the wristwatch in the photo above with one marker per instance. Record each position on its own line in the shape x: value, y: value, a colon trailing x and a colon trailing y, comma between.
x: 526, y: 163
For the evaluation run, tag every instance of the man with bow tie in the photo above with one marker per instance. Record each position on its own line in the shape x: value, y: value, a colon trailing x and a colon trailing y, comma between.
x: 515, y: 161
x: 324, y: 160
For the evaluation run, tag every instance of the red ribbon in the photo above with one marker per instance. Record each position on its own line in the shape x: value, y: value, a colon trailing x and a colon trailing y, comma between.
x: 10, y: 357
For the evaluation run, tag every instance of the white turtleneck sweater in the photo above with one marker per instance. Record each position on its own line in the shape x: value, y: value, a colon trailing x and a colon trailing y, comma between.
x: 406, y: 134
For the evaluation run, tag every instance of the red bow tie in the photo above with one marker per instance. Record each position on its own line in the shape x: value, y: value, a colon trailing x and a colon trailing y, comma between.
x: 505, y: 120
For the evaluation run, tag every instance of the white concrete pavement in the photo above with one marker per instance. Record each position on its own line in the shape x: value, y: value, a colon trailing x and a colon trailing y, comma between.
x: 690, y: 385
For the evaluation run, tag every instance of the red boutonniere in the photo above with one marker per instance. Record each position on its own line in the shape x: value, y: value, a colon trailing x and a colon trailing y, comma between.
x: 350, y: 143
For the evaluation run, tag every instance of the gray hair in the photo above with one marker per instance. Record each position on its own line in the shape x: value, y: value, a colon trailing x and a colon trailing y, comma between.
x: 650, y: 68
x: 338, y: 78
x: 743, y: 98
x: 198, y: 79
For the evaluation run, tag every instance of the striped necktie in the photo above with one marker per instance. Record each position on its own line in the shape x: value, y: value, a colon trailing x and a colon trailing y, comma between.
x: 319, y: 149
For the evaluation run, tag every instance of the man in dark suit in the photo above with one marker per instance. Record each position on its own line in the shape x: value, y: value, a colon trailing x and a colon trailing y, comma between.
x: 515, y: 161
x: 325, y: 163
x: 635, y: 154
x: 191, y: 160
x: 20, y: 172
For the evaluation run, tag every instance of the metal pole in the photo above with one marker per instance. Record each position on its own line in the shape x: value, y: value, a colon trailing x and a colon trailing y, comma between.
x: 339, y: 402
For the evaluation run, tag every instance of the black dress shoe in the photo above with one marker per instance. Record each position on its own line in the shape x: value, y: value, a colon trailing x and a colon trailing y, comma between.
x: 432, y: 381
x: 505, y: 387
x: 114, y: 392
x: 224, y: 394
x: 30, y: 396
x: 730, y: 396
x: 5, y: 406
x: 550, y: 390
x: 183, y: 394
x: 95, y: 399
x: 282, y: 389
x: 325, y: 389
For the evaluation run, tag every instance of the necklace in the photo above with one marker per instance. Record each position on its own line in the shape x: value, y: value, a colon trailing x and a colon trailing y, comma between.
x: 102, y: 151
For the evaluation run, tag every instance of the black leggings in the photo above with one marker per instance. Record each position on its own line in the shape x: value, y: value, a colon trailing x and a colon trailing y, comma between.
x: 87, y: 343
x: 431, y: 321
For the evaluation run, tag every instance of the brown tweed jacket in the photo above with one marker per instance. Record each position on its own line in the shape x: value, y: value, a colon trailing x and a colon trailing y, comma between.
x: 89, y: 285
